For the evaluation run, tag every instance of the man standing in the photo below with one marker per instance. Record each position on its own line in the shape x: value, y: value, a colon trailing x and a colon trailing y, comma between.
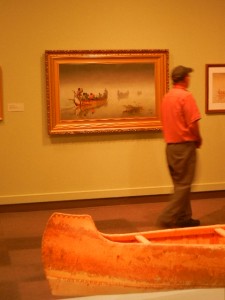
x: 180, y: 116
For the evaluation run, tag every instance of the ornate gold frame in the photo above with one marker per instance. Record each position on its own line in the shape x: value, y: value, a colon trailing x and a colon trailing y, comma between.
x: 1, y: 96
x: 143, y: 72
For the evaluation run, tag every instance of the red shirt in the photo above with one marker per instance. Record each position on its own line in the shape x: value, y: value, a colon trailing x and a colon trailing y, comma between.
x: 179, y: 110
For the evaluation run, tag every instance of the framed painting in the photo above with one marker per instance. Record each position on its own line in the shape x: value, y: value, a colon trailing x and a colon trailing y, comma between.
x: 1, y: 96
x: 98, y: 91
x: 215, y: 88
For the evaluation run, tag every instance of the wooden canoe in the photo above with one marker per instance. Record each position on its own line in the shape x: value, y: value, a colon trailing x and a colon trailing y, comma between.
x: 79, y: 260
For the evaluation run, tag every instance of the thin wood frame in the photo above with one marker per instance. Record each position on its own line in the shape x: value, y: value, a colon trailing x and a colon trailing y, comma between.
x: 215, y: 88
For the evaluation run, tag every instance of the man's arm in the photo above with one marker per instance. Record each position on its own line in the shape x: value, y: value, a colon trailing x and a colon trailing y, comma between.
x: 195, y: 130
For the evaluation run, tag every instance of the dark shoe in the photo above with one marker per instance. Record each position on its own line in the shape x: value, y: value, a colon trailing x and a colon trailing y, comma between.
x: 188, y: 223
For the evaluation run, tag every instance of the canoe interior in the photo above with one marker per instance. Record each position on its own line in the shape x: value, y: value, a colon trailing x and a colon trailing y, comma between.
x: 196, y: 235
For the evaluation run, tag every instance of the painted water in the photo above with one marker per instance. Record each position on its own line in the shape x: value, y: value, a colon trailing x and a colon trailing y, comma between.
x: 135, y: 103
x: 130, y: 88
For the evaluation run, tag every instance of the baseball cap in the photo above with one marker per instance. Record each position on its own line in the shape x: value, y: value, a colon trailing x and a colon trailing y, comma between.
x: 180, y: 72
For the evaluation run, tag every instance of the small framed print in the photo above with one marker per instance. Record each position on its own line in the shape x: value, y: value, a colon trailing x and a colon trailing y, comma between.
x: 215, y: 88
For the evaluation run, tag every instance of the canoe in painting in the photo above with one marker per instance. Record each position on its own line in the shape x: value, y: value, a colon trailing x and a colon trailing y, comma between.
x: 82, y: 98
x: 81, y: 261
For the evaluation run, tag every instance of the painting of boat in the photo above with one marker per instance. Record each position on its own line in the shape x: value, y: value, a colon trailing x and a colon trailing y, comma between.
x: 132, y: 109
x: 92, y: 100
x: 122, y: 95
x: 79, y: 260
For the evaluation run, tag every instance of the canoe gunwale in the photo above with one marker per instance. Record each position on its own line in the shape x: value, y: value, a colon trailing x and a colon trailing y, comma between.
x: 152, y: 236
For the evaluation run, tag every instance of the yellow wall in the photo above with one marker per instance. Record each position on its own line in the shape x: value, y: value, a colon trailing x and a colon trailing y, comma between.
x: 37, y: 167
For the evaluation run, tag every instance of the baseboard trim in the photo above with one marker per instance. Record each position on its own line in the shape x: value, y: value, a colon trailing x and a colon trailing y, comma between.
x: 103, y: 194
x: 67, y: 204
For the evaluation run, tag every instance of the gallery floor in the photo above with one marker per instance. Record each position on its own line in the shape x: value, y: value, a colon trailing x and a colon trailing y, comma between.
x: 21, y: 228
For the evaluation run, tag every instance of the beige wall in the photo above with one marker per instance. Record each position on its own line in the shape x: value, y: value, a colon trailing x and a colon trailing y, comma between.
x: 36, y: 167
